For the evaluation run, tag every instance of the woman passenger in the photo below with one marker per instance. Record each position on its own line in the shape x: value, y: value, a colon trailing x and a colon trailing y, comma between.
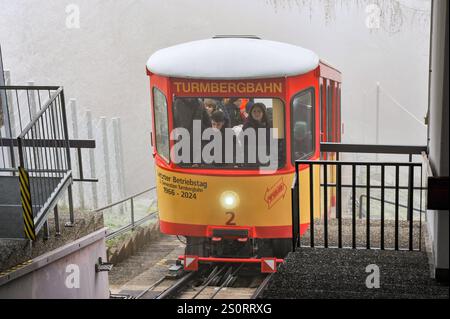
x: 257, y: 119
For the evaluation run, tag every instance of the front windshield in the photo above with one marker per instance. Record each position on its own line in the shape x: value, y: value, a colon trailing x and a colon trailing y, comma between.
x: 228, y: 133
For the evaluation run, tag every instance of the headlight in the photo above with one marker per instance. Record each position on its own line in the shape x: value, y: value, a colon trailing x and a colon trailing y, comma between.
x: 229, y: 200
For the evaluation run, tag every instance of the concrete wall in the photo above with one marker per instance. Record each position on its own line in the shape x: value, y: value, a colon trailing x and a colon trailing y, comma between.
x: 55, y: 275
x: 438, y: 221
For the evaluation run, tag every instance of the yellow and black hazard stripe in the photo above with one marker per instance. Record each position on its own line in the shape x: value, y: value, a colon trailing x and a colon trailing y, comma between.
x: 25, y: 196
x: 17, y: 267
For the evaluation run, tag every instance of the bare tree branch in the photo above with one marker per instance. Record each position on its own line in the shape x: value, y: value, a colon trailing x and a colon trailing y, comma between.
x: 393, y: 14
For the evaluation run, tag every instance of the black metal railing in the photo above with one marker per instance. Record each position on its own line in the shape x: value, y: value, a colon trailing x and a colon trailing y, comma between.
x: 35, y: 149
x: 20, y: 105
x: 48, y: 164
x: 331, y: 184
x: 339, y: 148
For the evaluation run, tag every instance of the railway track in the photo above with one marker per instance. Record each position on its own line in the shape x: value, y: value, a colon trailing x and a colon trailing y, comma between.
x: 223, y: 281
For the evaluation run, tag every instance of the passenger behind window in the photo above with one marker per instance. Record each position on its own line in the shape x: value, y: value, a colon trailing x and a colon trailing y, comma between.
x: 302, y: 140
x: 212, y: 105
x: 233, y: 111
x: 186, y: 111
x: 218, y: 122
x: 256, y: 120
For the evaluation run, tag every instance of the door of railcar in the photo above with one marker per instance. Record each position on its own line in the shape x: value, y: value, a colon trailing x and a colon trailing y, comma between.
x: 305, y: 135
x: 330, y: 120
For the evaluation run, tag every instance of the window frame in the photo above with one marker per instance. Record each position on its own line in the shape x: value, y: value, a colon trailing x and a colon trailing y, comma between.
x: 339, y: 114
x: 329, y: 110
x: 166, y: 159
x: 311, y: 89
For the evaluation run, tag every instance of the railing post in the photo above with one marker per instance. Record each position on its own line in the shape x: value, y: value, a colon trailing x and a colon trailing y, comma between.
x: 69, y: 164
x: 407, y: 215
x: 325, y: 199
x: 368, y: 208
x: 354, y: 206
x: 25, y: 196
x: 132, y: 212
x: 397, y: 180
x: 420, y: 212
x: 411, y: 205
x: 339, y: 203
x: 382, y: 206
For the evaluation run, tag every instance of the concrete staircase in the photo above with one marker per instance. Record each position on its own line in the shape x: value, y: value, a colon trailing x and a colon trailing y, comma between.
x: 318, y: 273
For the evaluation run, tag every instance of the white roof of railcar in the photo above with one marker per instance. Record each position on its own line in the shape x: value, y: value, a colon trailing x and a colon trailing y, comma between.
x: 232, y: 58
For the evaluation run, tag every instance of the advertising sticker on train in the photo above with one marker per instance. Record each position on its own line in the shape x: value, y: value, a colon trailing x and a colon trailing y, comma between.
x: 275, y: 193
x: 191, y: 263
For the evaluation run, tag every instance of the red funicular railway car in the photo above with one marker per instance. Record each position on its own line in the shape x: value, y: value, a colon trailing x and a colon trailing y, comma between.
x: 236, y: 210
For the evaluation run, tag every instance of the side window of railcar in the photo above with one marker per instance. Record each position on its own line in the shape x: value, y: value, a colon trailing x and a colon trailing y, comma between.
x: 161, y: 123
x: 303, y: 125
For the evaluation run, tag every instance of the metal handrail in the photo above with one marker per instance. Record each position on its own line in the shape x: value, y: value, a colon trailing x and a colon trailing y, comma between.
x: 124, y: 200
x: 129, y: 227
x: 40, y: 112
x: 133, y: 222
x: 373, y: 149
x: 29, y: 87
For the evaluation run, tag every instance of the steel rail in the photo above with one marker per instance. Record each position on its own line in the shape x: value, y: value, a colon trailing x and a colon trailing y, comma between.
x: 151, y: 287
x: 227, y: 281
x: 177, y: 286
x: 258, y: 292
x: 216, y: 272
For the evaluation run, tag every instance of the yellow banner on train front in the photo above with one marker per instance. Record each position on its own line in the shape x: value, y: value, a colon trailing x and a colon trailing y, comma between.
x: 263, y: 200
